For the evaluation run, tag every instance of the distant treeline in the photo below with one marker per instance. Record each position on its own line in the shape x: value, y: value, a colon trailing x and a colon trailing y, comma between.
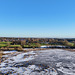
x: 35, y: 42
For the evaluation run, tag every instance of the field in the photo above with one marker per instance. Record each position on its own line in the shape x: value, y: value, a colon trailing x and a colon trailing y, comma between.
x: 5, y: 44
x: 71, y: 44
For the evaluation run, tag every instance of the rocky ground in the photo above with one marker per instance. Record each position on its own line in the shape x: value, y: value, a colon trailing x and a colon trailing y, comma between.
x: 44, y: 62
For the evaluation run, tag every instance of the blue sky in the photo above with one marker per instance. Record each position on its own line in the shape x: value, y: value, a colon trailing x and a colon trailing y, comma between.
x: 37, y: 18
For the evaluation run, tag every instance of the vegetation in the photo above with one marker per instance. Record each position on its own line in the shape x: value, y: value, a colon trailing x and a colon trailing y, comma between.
x: 19, y: 43
x: 3, y: 45
x: 5, y: 42
x: 13, y: 46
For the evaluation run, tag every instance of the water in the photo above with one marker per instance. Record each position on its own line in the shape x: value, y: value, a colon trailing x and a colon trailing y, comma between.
x: 44, y: 62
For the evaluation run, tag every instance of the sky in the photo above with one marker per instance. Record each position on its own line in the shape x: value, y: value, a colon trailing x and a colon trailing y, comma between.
x: 37, y: 18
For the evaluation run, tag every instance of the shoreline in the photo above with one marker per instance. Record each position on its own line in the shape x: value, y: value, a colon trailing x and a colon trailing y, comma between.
x: 35, y: 49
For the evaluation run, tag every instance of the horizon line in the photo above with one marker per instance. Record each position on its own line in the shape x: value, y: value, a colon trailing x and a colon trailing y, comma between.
x: 42, y: 37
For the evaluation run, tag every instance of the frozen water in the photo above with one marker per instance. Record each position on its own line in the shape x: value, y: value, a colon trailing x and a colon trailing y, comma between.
x: 9, y: 51
x: 44, y: 62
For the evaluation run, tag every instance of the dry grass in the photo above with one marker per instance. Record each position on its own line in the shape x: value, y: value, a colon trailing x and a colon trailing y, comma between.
x: 36, y: 49
x: 1, y: 54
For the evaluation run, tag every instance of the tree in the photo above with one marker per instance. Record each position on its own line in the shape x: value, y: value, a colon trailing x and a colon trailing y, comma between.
x: 65, y: 42
x: 23, y: 43
x: 8, y: 44
x: 38, y: 45
x: 74, y: 45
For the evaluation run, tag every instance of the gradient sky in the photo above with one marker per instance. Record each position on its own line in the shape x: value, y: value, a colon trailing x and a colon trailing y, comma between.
x: 37, y: 18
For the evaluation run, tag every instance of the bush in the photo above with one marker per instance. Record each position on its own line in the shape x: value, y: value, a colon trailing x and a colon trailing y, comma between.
x: 19, y: 48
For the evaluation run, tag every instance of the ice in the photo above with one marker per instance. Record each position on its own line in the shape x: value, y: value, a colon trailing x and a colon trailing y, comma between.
x: 58, y: 61
x: 9, y: 51
x: 7, y: 65
x: 43, y: 46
